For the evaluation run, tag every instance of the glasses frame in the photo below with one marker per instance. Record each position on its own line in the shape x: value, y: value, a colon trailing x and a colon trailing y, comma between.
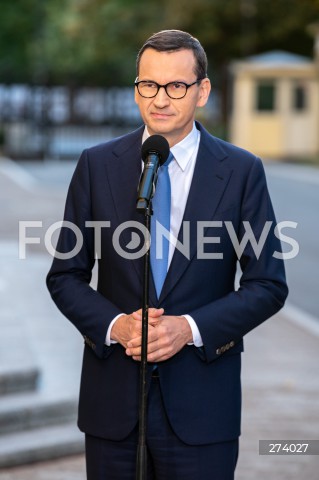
x: 187, y: 85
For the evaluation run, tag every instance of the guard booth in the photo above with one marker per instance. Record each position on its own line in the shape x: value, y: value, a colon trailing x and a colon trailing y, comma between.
x: 275, y: 105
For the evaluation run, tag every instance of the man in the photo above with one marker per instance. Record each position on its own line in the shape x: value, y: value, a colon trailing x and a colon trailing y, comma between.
x: 197, y: 319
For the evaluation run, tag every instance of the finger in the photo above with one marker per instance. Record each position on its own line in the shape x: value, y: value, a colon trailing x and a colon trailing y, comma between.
x: 155, y: 317
x: 152, y: 313
x: 131, y: 352
x: 161, y: 352
x: 154, y: 343
x: 137, y: 315
x: 134, y: 347
x: 135, y: 342
x: 155, y: 312
x: 158, y: 356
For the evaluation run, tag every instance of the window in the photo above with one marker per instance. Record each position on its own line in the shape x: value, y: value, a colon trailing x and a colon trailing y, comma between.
x: 299, y: 97
x: 265, y: 96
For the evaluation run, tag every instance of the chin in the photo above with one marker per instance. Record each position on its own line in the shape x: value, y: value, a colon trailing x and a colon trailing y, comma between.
x: 160, y: 129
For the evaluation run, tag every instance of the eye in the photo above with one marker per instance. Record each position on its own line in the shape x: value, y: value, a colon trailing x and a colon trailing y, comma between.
x: 149, y: 84
x: 177, y: 85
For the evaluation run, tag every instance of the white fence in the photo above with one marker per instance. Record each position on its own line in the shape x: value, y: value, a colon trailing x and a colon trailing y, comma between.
x: 62, y: 105
x: 58, y: 122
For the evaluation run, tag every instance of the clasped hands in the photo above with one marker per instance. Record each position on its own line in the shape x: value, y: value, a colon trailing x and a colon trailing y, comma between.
x: 167, y: 334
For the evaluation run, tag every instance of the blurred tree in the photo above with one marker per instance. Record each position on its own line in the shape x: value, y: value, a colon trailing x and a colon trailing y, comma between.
x: 19, y: 28
x: 95, y: 42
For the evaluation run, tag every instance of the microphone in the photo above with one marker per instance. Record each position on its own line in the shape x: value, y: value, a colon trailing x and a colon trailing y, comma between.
x: 155, y: 152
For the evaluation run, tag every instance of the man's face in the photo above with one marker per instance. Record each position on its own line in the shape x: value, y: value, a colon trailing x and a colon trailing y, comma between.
x: 172, y: 118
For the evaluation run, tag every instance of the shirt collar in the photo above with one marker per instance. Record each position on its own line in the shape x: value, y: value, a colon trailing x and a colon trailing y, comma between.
x: 183, y: 150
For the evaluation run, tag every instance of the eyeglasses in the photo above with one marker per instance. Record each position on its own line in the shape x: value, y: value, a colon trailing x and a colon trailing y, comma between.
x: 175, y: 90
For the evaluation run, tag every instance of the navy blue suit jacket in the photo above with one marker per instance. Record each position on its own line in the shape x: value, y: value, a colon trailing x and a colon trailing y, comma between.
x: 201, y: 387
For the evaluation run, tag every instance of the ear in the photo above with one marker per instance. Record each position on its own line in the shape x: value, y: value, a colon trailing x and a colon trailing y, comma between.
x: 136, y: 95
x: 204, y: 91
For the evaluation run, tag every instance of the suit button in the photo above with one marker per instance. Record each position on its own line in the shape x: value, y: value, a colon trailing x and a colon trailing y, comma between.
x: 218, y: 351
x: 232, y: 344
x: 223, y: 349
x: 227, y: 346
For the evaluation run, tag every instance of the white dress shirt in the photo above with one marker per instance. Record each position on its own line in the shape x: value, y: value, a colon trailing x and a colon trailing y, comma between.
x: 180, y: 170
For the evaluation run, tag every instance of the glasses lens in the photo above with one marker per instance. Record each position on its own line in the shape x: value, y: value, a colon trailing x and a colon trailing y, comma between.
x: 176, y: 90
x: 173, y: 90
x: 147, y: 89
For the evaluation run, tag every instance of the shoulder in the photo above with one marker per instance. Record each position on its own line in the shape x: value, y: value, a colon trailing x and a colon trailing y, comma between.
x: 93, y: 160
x: 233, y: 155
x: 116, y: 146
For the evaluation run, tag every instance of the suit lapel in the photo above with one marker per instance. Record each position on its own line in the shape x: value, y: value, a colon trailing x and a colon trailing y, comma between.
x: 211, y: 176
x: 123, y: 175
x: 210, y: 179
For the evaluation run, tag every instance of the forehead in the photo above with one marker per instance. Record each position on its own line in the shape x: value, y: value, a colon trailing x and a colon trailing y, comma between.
x: 176, y: 65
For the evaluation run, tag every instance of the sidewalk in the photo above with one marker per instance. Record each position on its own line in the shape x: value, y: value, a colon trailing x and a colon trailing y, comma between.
x: 279, y: 374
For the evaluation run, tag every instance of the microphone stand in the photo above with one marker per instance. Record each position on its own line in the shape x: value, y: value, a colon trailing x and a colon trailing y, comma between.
x: 141, y: 460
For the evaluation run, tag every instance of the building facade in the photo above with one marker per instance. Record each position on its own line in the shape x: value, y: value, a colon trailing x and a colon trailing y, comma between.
x: 275, y: 108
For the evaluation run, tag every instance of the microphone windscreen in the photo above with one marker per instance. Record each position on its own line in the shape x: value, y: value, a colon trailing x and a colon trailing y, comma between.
x: 158, y: 145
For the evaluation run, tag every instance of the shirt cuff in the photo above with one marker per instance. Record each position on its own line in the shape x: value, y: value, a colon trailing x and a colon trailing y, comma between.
x: 197, y: 338
x: 108, y: 340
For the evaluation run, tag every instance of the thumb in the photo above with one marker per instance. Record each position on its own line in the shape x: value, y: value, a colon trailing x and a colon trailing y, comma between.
x: 155, y: 312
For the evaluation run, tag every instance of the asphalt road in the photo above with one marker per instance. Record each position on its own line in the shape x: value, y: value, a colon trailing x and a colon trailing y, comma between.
x: 295, y: 194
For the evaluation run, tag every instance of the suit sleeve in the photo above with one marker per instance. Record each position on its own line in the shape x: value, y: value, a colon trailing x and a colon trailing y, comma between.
x: 262, y: 291
x: 69, y: 279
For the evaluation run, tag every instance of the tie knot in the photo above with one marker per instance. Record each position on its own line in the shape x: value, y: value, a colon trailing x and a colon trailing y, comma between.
x: 169, y: 159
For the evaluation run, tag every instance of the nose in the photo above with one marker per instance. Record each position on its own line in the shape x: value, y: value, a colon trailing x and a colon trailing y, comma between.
x: 162, y: 99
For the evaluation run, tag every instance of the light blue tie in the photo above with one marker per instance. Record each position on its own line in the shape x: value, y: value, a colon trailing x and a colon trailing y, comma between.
x: 161, y: 214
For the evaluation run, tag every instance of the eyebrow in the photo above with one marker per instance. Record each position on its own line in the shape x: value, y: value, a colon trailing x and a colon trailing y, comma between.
x: 154, y: 81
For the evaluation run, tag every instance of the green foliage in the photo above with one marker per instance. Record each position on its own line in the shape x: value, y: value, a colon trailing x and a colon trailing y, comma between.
x: 95, y: 42
x: 18, y: 29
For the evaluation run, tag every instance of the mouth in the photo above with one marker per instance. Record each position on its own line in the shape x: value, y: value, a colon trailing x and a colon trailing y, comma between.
x: 160, y: 116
